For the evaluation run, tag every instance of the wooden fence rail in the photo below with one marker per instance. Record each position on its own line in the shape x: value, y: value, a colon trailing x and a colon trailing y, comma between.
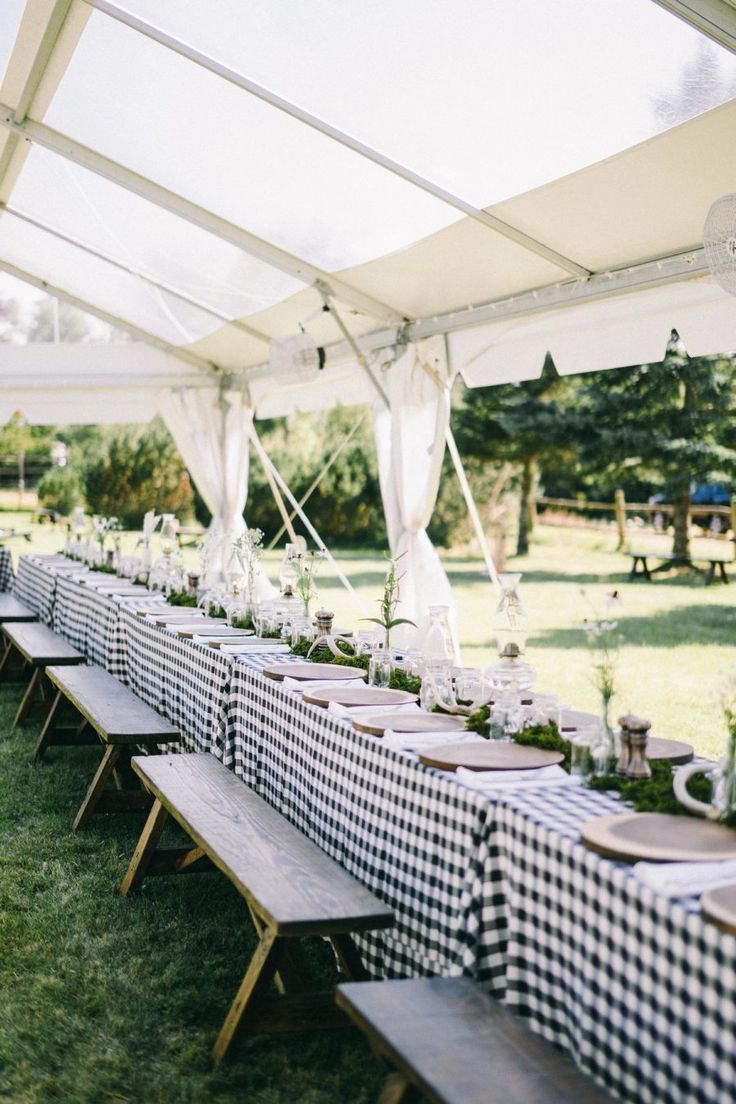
x: 620, y: 508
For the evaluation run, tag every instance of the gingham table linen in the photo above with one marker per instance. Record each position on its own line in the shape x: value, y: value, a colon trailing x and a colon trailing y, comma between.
x: 91, y: 622
x: 7, y: 574
x: 35, y: 585
x: 189, y: 683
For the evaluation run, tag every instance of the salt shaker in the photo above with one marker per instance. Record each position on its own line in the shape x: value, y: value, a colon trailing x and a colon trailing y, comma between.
x: 634, y: 734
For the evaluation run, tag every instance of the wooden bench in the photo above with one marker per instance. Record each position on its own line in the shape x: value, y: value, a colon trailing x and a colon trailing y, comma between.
x: 451, y: 1043
x: 641, y: 569
x: 13, y: 610
x: 291, y: 887
x: 39, y: 648
x: 120, y: 720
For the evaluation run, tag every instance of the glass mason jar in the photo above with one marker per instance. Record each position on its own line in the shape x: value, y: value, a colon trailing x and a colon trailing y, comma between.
x: 288, y: 570
x: 436, y: 684
x: 380, y: 665
x: 510, y: 619
x: 438, y: 640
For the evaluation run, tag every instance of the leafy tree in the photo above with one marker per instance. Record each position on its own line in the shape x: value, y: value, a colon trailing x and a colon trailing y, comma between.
x: 671, y: 422
x: 527, y: 424
x: 61, y: 489
x: 138, y: 470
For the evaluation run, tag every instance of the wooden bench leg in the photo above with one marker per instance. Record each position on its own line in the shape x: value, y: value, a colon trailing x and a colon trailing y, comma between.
x: 97, y: 786
x: 27, y: 702
x: 398, y: 1090
x: 259, y: 974
x: 349, y: 958
x: 46, y: 732
x: 6, y: 668
x: 145, y: 849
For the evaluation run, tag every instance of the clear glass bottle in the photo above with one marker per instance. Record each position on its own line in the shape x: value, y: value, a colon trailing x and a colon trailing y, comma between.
x: 438, y: 639
x: 510, y: 619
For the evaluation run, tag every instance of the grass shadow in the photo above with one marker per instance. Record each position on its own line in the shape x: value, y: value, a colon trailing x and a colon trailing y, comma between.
x: 693, y: 624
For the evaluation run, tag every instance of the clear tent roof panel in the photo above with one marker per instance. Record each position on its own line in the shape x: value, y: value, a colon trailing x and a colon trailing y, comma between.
x: 143, y: 236
x: 232, y: 154
x: 486, y: 98
x: 101, y: 284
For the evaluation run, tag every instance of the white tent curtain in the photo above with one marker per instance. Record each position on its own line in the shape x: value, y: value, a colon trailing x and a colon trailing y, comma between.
x: 211, y: 428
x: 410, y: 445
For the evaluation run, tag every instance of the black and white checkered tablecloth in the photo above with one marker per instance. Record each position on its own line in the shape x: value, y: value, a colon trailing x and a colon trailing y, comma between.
x: 188, y: 683
x: 91, y: 622
x: 418, y: 840
x: 639, y: 988
x: 35, y: 585
x: 7, y: 574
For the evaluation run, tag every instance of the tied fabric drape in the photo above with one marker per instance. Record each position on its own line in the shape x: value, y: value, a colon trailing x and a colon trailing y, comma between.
x: 211, y: 428
x: 410, y: 445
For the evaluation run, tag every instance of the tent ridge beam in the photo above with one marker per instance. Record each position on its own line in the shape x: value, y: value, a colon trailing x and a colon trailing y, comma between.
x: 191, y: 212
x: 40, y: 63
x: 133, y: 271
x: 714, y: 18
x: 183, y: 49
x: 105, y: 316
x: 36, y: 71
x: 687, y: 265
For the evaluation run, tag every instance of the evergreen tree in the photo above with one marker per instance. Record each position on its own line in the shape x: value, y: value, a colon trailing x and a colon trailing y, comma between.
x: 527, y: 424
x: 672, y: 420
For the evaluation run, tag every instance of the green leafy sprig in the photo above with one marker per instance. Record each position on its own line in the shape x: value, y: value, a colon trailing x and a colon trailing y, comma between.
x: 388, y: 602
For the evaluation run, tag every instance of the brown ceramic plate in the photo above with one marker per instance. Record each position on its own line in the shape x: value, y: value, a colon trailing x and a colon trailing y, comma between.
x: 488, y: 755
x: 674, y: 750
x: 659, y: 837
x: 307, y: 671
x: 719, y: 906
x: 360, y: 695
x: 375, y: 724
x: 573, y: 719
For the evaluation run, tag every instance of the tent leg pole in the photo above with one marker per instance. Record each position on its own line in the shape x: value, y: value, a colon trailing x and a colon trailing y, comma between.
x: 315, y: 536
x: 269, y: 470
x: 472, y: 508
x: 359, y: 356
x: 316, y: 482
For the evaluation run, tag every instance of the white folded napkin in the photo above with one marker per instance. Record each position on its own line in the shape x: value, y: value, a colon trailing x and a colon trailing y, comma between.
x: 301, y: 687
x: 356, y: 711
x: 245, y: 649
x: 685, y: 879
x: 224, y: 638
x: 418, y: 741
x: 491, y: 781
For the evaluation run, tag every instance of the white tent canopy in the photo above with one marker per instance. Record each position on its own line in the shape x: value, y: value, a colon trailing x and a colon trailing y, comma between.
x: 520, y: 177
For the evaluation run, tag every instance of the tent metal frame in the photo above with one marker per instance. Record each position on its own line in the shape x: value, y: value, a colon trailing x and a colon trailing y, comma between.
x: 714, y: 18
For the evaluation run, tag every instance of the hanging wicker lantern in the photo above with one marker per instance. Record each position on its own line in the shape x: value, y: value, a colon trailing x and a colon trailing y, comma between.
x: 719, y: 241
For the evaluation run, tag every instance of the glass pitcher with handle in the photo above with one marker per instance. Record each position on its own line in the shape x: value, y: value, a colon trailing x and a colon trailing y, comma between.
x: 723, y: 778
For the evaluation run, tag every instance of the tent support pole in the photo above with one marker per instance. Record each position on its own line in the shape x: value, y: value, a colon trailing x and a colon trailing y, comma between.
x: 311, y: 530
x: 318, y: 479
x: 472, y: 508
x: 269, y: 470
x: 359, y: 355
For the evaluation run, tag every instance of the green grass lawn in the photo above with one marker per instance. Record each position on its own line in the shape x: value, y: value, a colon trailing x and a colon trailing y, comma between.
x: 678, y: 636
x: 105, y: 1000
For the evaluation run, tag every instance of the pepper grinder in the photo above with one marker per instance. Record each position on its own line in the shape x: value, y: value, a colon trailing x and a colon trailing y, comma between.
x: 634, y: 735
x: 624, y: 755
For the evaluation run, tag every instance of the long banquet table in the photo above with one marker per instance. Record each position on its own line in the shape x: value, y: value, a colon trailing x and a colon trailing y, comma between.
x: 638, y: 987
